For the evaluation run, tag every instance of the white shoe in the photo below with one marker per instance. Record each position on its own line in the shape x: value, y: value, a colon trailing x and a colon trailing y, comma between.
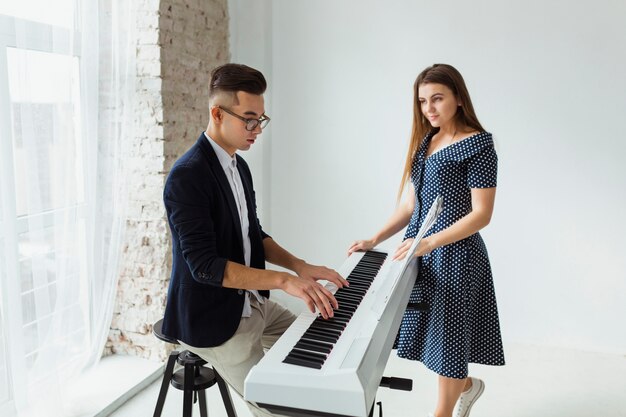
x: 469, y: 397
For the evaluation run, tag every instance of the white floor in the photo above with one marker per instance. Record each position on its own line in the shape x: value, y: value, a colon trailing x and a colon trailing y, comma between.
x: 536, y: 382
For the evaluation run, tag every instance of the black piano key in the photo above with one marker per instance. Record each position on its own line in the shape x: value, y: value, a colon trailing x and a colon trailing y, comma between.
x: 357, y: 286
x: 375, y: 254
x: 357, y: 289
x: 341, y: 321
x: 327, y: 322
x: 366, y: 269
x: 355, y: 279
x: 314, y: 346
x: 327, y: 330
x: 360, y: 275
x: 340, y: 316
x: 307, y: 354
x: 369, y: 260
x: 348, y: 304
x: 323, y: 326
x: 359, y: 282
x: 348, y: 299
x: 302, y: 362
x: 346, y: 307
x: 365, y: 274
x: 367, y: 264
x: 349, y: 296
x: 358, y: 295
x: 324, y: 337
x: 323, y: 332
x: 370, y: 265
x: 314, y: 339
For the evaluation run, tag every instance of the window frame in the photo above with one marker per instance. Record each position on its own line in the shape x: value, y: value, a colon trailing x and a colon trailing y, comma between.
x: 41, y: 38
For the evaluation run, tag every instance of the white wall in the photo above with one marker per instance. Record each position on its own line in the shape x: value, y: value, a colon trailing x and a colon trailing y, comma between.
x: 547, y: 78
x: 251, y: 44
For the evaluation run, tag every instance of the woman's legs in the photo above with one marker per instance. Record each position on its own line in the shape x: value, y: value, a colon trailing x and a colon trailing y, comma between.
x: 450, y: 390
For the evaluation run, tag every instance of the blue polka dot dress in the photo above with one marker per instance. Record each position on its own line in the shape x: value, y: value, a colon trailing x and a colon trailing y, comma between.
x: 462, y: 324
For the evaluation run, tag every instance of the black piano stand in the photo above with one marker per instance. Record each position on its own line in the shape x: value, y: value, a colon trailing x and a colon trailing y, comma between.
x: 403, y: 384
x: 421, y: 306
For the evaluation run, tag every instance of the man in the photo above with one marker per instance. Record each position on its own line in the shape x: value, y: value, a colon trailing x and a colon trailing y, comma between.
x: 218, y: 301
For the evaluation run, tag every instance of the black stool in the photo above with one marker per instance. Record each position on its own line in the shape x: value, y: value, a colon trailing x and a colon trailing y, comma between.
x: 192, y: 379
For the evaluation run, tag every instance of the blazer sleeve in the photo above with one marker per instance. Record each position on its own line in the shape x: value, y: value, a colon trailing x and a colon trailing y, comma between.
x: 188, y: 204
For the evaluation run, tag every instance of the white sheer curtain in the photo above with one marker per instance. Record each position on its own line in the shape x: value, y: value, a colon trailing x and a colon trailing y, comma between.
x: 66, y: 92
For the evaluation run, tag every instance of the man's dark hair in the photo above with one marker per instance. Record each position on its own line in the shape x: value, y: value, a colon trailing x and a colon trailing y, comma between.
x: 230, y: 78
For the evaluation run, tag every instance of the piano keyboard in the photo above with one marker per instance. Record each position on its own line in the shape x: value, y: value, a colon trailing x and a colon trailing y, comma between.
x: 317, y: 342
x: 334, y: 367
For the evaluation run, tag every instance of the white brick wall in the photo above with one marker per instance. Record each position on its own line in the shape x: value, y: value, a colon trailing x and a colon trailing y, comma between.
x: 179, y: 42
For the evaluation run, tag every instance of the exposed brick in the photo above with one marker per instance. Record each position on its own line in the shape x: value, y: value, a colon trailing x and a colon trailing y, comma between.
x: 179, y: 42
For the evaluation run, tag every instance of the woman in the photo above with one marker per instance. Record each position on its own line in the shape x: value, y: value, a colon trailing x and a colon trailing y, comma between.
x: 451, y: 155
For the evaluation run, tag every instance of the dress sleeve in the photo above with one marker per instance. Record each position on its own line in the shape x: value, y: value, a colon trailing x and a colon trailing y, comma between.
x: 482, y: 170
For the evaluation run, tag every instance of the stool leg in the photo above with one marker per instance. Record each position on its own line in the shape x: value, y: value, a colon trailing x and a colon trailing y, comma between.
x: 202, y: 402
x: 188, y: 390
x: 228, y: 402
x: 167, y: 377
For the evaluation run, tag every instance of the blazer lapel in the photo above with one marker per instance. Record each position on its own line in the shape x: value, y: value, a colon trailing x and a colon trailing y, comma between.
x: 254, y: 231
x: 247, y: 190
x: 227, y: 192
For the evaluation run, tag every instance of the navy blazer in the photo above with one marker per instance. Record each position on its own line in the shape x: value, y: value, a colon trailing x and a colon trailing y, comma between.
x: 206, y: 232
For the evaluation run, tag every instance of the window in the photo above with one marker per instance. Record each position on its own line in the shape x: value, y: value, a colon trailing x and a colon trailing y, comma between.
x: 43, y: 232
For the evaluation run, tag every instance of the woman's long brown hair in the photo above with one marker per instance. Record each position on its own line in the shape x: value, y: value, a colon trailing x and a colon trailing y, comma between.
x: 465, y: 116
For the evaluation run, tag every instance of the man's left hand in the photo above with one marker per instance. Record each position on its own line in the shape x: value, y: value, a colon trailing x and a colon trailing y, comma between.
x: 317, y: 273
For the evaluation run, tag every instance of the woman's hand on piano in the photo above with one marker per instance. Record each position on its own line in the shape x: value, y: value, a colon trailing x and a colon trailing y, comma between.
x: 361, y: 245
x: 423, y: 247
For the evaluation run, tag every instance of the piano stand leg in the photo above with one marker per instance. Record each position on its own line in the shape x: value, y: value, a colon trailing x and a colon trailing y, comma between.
x: 403, y: 384
x: 380, y: 409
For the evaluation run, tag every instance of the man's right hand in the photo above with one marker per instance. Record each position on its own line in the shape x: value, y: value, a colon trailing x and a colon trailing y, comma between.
x: 312, y: 293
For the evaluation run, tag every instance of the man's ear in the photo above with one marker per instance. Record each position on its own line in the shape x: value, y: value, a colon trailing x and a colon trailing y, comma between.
x: 216, y: 114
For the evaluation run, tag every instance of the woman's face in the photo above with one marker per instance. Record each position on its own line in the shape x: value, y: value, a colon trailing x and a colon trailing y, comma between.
x: 438, y: 104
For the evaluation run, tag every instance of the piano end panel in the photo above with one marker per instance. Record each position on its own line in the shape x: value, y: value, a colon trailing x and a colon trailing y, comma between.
x: 308, y: 392
x: 377, y: 355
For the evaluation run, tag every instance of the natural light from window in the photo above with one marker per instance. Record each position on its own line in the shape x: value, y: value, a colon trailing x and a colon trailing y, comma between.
x: 55, y: 13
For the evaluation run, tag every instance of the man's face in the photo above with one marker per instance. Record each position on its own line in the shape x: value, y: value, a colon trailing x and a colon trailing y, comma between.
x: 233, y: 130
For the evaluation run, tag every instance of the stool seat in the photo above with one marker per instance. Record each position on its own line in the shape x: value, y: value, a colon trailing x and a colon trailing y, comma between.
x: 193, y: 379
x: 157, y: 330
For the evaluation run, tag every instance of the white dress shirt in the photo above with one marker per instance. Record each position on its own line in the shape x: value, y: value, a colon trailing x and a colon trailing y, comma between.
x: 229, y: 164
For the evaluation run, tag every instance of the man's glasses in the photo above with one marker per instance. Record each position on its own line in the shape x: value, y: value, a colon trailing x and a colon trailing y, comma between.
x: 251, y: 124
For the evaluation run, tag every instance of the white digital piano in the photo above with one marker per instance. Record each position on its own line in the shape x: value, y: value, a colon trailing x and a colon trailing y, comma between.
x: 334, y: 367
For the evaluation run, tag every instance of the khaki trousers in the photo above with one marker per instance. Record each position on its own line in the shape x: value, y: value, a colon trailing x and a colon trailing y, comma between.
x: 234, y: 358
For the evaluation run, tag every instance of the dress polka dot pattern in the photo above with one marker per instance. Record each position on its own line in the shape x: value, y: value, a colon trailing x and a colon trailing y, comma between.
x: 462, y: 325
